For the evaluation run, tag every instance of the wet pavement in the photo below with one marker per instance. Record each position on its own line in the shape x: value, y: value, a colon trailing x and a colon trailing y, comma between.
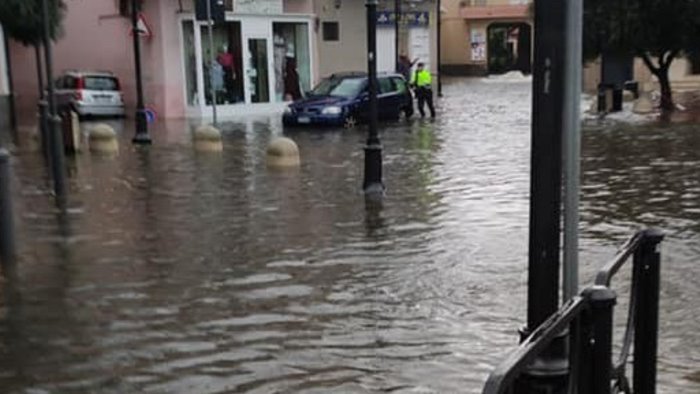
x: 178, y: 272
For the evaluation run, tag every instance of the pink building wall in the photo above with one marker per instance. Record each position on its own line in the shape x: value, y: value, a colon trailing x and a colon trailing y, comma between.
x: 96, y: 37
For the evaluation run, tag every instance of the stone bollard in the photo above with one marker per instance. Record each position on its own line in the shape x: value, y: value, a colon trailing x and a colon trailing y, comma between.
x: 103, y: 139
x: 207, y: 138
x: 643, y: 105
x: 283, y: 152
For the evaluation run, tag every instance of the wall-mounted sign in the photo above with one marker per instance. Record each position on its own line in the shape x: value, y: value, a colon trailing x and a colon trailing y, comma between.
x: 258, y: 7
x: 412, y: 19
x: 478, y: 45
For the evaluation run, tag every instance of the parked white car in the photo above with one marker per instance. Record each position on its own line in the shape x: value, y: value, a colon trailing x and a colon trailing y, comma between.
x: 90, y: 93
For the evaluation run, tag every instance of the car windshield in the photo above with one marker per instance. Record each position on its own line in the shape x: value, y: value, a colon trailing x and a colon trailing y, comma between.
x: 101, y: 83
x: 341, y: 87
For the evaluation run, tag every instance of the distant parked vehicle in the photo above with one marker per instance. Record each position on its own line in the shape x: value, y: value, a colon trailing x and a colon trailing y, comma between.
x: 90, y: 93
x: 343, y: 100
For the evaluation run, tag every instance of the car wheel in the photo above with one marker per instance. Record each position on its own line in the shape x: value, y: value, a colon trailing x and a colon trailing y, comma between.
x: 350, y: 122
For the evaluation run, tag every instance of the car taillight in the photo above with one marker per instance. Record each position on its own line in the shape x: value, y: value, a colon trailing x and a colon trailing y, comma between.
x: 80, y: 84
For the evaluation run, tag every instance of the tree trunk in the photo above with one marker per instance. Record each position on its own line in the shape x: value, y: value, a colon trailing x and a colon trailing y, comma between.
x: 667, y: 104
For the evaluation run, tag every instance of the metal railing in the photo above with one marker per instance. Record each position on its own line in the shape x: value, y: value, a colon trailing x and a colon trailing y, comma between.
x: 589, y: 320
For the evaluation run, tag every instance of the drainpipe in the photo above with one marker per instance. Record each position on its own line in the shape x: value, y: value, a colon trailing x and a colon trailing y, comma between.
x: 141, y: 137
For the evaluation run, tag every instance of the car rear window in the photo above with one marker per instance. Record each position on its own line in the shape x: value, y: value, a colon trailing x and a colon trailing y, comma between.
x: 101, y: 83
x: 341, y: 87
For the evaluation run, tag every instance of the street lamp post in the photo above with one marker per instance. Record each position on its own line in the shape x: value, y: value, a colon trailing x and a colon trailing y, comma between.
x: 141, y: 137
x: 551, y: 369
x: 373, y: 150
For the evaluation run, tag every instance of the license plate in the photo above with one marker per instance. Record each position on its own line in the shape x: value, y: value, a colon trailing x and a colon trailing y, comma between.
x: 304, y: 119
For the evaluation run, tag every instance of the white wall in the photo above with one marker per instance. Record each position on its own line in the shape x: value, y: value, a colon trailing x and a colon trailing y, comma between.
x: 4, y: 77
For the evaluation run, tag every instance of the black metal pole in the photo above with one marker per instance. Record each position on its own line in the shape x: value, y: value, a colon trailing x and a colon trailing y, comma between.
x: 373, y: 151
x: 141, y: 137
x: 43, y: 105
x: 602, y: 301
x: 546, y: 165
x: 545, y: 190
x: 439, y: 48
x: 397, y: 33
x: 55, y: 135
x: 7, y: 226
x: 647, y: 264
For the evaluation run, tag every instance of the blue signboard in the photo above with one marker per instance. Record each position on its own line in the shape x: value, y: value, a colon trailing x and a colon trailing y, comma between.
x: 411, y: 19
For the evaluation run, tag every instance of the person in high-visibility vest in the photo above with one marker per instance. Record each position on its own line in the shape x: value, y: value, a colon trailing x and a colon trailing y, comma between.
x: 422, y: 82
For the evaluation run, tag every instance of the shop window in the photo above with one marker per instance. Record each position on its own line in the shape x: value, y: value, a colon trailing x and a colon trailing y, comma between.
x: 292, y: 60
x: 225, y: 73
x: 331, y: 31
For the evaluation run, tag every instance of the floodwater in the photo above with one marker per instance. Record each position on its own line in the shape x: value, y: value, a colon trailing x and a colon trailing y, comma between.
x: 177, y: 272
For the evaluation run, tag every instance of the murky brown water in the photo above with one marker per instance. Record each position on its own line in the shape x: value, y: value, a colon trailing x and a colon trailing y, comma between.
x: 173, y: 272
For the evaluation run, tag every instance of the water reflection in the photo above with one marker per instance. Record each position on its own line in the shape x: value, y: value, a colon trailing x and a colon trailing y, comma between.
x: 176, y: 272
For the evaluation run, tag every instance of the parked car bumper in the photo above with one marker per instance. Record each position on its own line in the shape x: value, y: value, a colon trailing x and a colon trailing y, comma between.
x: 315, y: 120
x: 99, y: 110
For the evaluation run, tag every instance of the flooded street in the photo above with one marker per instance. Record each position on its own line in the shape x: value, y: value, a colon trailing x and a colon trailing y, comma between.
x: 178, y: 272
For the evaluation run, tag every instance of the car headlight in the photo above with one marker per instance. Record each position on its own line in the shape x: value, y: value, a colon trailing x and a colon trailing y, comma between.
x: 288, y: 110
x: 332, y: 110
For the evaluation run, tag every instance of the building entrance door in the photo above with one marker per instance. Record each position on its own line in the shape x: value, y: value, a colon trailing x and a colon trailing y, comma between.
x: 258, y: 70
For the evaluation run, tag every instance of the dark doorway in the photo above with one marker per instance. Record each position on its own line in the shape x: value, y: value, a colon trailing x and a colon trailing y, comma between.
x: 509, y: 48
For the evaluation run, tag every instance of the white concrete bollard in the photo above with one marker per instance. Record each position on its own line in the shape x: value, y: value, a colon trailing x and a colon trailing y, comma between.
x: 207, y: 138
x: 103, y: 139
x: 643, y: 105
x: 283, y: 152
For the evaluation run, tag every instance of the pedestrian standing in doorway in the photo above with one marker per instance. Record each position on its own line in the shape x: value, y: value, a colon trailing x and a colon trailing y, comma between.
x: 422, y: 83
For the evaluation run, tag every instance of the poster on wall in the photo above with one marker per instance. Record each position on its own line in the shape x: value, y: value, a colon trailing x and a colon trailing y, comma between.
x: 258, y: 6
x: 478, y: 44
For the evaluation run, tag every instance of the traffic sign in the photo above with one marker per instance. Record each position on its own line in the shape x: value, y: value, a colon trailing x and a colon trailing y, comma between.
x: 142, y: 27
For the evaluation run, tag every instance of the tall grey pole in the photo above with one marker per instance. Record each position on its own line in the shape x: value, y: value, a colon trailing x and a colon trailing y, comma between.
x: 55, y: 136
x: 212, y: 59
x: 572, y: 144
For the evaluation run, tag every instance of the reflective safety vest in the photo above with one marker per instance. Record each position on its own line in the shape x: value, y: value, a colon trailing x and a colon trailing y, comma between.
x: 422, y: 78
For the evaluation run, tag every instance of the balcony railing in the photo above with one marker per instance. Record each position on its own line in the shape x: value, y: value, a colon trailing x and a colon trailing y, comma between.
x: 589, y: 320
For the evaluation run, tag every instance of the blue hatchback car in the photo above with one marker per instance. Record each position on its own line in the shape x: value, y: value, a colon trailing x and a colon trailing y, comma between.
x: 343, y: 100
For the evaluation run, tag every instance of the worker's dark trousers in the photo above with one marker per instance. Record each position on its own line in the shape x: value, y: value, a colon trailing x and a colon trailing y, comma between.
x: 425, y: 95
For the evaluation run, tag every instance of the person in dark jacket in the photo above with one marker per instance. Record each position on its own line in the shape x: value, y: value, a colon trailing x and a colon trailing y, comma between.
x: 292, y: 88
x: 405, y: 67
